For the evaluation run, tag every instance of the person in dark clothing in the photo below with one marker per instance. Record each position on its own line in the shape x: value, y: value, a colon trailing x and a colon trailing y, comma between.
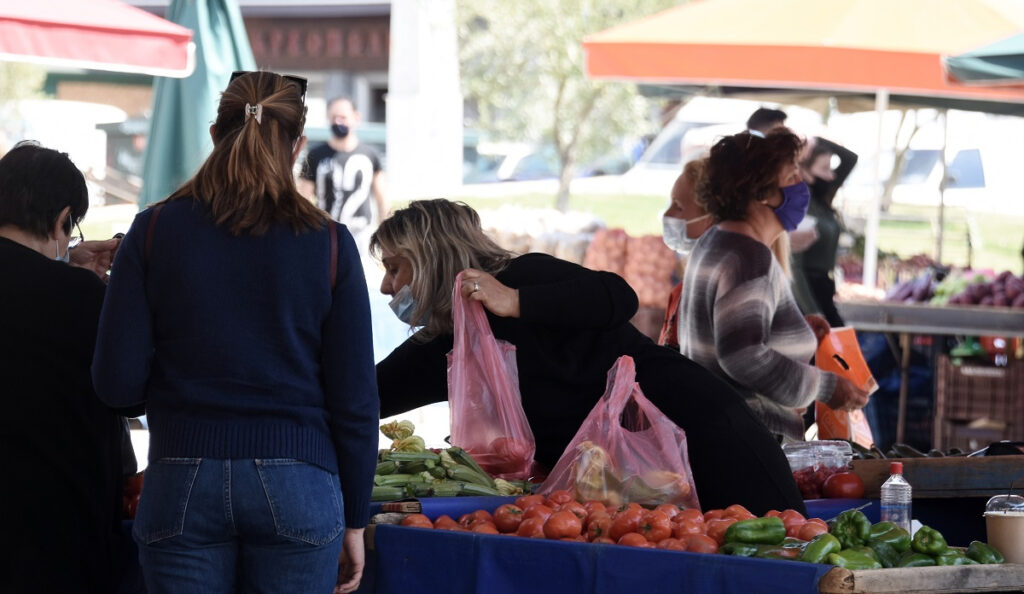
x: 569, y: 324
x: 814, y: 283
x: 238, y: 313
x: 62, y: 498
x: 765, y: 119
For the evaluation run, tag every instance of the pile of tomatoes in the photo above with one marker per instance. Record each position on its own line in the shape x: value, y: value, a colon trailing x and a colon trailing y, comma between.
x: 558, y: 516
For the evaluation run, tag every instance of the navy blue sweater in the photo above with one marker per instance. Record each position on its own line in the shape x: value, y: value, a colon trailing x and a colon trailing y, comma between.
x: 239, y: 349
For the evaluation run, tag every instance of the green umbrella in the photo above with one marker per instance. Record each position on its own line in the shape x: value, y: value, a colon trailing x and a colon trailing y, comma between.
x: 1000, y: 61
x: 184, y: 108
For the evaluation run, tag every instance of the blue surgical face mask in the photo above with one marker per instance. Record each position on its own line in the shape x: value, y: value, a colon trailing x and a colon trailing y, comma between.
x: 403, y: 304
x: 795, y: 199
x: 675, y: 236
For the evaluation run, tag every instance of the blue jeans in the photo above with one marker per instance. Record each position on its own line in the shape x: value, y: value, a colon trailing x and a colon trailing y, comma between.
x: 206, y: 525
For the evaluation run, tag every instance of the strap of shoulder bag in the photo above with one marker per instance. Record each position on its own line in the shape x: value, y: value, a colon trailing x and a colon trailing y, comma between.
x: 333, y: 272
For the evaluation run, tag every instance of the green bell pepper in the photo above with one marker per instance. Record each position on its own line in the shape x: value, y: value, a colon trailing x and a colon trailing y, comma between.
x: 853, y: 560
x: 929, y: 541
x: 912, y: 559
x: 740, y: 549
x: 891, y: 534
x: 984, y: 553
x: 757, y: 531
x: 820, y: 547
x: 852, y: 528
x: 887, y: 554
x: 953, y: 557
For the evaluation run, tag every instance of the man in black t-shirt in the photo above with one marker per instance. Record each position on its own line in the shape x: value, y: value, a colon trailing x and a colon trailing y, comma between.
x: 342, y: 175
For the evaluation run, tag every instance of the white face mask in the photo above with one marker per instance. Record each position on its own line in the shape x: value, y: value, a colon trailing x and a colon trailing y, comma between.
x: 66, y: 256
x: 675, y: 236
x: 403, y: 304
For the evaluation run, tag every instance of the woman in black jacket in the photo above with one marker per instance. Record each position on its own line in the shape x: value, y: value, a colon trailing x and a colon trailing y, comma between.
x: 569, y: 324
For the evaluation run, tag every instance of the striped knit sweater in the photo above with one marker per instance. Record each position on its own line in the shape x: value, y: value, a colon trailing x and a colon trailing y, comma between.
x: 738, y: 318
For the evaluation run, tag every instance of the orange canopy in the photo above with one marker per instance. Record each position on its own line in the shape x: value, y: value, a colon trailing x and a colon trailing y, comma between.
x: 829, y: 45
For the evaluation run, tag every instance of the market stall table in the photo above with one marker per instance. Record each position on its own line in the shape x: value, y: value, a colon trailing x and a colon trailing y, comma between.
x: 908, y: 319
x: 405, y: 560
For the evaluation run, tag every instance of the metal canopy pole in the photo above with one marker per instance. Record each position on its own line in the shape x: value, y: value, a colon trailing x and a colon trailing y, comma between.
x: 871, y: 230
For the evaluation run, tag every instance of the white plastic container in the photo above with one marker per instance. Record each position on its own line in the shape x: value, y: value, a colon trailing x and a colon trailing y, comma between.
x: 1004, y: 525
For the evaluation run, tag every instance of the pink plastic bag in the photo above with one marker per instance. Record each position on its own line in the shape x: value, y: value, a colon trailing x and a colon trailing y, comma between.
x: 626, y: 451
x: 487, y: 418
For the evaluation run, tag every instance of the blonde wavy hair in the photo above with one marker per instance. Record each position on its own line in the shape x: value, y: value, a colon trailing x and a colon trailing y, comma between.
x: 440, y: 238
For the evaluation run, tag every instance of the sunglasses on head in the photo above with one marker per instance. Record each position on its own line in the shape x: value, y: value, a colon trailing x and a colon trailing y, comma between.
x: 298, y: 80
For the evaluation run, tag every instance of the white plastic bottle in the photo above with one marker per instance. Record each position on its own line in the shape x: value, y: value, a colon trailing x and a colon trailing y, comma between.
x: 896, y: 496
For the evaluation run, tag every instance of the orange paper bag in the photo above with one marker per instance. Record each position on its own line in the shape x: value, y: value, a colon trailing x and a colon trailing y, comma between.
x: 839, y: 352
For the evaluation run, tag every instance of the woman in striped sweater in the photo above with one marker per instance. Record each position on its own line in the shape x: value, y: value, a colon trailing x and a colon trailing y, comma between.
x: 741, y: 320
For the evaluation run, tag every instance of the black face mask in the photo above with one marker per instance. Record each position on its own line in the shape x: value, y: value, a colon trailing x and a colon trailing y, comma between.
x: 339, y: 130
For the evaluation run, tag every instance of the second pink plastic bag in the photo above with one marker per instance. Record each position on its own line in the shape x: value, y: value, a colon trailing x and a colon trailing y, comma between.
x: 487, y: 418
x: 626, y: 451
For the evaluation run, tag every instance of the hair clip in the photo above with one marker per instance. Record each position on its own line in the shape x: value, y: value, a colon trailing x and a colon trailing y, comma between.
x: 757, y: 133
x: 254, y: 111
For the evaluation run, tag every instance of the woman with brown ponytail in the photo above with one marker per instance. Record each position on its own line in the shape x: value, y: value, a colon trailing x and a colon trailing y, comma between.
x: 238, y: 313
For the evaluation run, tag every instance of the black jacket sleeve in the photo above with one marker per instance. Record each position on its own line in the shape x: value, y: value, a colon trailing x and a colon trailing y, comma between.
x: 560, y: 294
x: 847, y: 159
x: 414, y: 375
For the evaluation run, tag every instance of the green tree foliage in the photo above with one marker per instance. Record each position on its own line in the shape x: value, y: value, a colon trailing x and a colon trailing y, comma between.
x: 522, y: 65
x: 18, y: 81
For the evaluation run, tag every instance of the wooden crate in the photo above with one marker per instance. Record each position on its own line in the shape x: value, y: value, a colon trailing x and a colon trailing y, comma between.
x: 935, y: 478
x: 959, y: 434
x: 971, y: 391
x: 965, y: 578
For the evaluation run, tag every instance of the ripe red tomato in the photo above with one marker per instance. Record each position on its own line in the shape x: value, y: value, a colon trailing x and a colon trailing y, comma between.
x: 713, y: 514
x: 682, y: 529
x: 508, y: 517
x: 598, y: 526
x: 810, y: 530
x: 417, y: 521
x: 626, y: 521
x: 671, y: 544
x: 602, y: 540
x: 690, y: 514
x: 527, y: 500
x: 475, y: 517
x: 655, y: 526
x: 446, y: 522
x: 793, y: 528
x: 595, y: 506
x: 575, y: 507
x: 632, y: 539
x: 537, y: 511
x: 531, y: 528
x: 485, y: 528
x: 668, y: 509
x: 844, y: 485
x: 559, y: 497
x: 699, y: 543
x: 739, y: 512
x: 562, y: 524
x: 717, y: 528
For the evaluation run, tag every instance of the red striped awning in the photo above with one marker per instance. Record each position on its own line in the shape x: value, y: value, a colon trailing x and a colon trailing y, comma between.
x: 94, y: 34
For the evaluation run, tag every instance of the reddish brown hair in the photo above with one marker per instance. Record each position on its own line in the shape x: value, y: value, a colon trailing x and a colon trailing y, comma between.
x: 247, y: 180
x: 743, y: 168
